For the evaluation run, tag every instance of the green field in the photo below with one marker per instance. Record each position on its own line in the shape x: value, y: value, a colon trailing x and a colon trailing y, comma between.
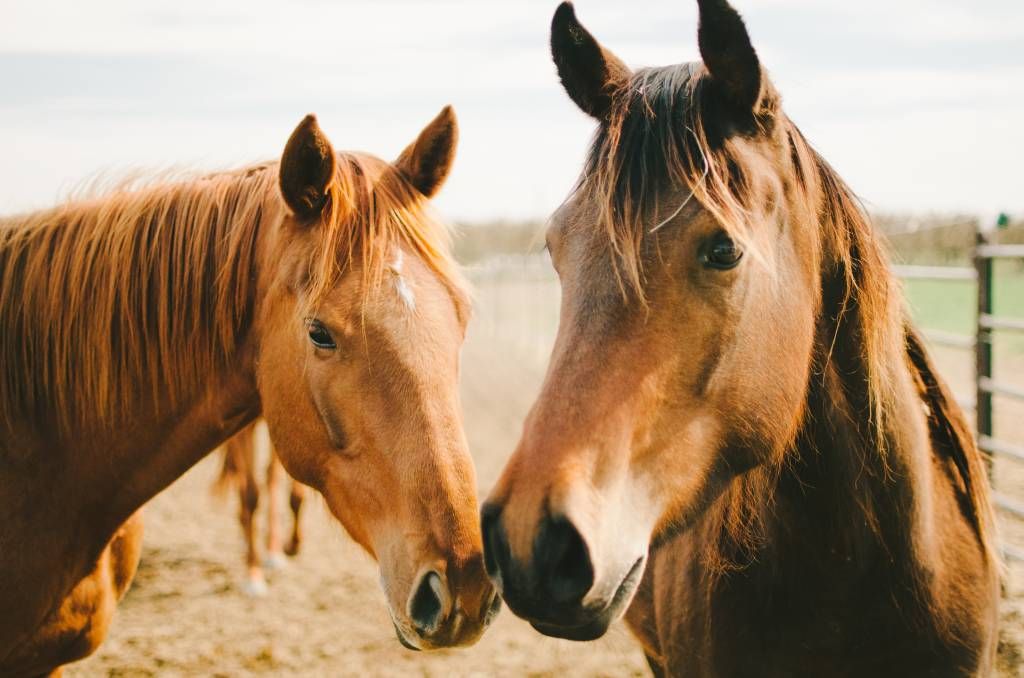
x: 950, y: 305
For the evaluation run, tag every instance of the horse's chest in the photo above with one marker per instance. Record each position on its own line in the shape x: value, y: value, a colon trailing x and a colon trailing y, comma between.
x: 771, y: 623
x: 77, y: 626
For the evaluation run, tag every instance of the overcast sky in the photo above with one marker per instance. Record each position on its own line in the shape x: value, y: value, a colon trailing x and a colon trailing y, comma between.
x: 918, y: 103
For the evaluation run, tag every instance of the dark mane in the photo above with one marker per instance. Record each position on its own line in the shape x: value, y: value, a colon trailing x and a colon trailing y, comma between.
x: 656, y: 137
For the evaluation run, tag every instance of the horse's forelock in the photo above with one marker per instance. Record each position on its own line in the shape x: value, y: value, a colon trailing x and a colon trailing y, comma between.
x: 373, y: 210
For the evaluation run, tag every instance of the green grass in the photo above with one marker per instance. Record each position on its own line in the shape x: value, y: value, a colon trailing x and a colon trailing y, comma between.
x: 950, y: 305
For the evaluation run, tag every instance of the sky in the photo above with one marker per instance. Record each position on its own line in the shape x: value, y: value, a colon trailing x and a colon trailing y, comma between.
x: 918, y: 103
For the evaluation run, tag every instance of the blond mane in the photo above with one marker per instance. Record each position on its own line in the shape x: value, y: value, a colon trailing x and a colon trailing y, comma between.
x: 371, y: 208
x: 135, y: 298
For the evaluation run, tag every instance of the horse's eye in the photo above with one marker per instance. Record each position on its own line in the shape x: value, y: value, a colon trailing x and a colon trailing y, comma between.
x: 723, y: 253
x: 319, y: 335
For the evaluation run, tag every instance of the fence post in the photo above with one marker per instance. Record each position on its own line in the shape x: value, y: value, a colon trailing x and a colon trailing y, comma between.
x: 983, y: 344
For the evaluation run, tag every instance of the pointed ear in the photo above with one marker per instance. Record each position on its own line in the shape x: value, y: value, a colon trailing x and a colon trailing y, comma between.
x: 730, y: 58
x: 589, y: 72
x: 307, y: 167
x: 427, y: 161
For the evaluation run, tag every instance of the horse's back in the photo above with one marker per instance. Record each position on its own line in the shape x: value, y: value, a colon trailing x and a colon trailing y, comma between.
x: 80, y: 623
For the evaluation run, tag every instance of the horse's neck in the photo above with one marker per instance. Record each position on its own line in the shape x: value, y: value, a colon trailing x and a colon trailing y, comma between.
x: 110, y: 468
x: 858, y: 491
x: 160, y: 442
x: 180, y: 439
x: 95, y: 484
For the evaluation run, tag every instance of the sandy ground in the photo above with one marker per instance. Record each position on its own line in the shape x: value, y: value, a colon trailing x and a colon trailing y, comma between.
x: 325, y: 614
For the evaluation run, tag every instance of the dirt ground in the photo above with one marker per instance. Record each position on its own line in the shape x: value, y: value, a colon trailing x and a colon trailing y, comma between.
x: 325, y: 614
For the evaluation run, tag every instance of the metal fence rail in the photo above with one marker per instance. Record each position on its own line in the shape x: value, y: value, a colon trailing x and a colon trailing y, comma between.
x: 940, y: 337
x: 936, y: 272
x: 1008, y: 450
x: 988, y: 251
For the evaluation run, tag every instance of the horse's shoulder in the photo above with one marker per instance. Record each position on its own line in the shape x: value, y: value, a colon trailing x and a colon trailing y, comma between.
x: 79, y: 624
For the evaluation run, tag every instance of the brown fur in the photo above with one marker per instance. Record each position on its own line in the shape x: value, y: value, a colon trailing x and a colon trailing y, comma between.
x: 146, y: 326
x: 770, y: 440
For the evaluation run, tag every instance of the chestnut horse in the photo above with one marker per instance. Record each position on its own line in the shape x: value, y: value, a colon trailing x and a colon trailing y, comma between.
x: 238, y: 472
x: 144, y: 328
x: 739, y: 432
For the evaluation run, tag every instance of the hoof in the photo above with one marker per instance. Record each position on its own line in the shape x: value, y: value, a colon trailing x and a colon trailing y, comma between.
x: 274, y: 561
x: 255, y: 586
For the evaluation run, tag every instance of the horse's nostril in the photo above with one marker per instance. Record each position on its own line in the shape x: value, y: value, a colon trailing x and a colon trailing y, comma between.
x: 559, y: 573
x: 496, y: 550
x: 564, y: 556
x: 426, y: 606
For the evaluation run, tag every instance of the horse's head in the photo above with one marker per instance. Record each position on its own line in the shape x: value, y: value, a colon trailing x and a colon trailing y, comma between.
x: 689, y: 292
x: 358, y: 371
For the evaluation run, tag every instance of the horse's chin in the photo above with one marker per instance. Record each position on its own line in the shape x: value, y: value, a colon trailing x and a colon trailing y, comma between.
x: 590, y: 631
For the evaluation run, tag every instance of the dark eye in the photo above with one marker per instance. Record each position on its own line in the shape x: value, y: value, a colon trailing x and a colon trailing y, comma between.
x: 319, y: 335
x: 723, y: 253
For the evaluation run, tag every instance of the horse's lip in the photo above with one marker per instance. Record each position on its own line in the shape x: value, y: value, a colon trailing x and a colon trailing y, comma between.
x: 600, y: 619
x: 401, y: 639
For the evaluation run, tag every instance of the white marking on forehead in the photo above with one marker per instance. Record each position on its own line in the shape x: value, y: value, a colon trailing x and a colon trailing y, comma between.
x: 401, y: 286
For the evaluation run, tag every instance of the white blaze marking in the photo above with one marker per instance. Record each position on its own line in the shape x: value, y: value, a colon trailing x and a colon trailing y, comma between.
x: 401, y: 286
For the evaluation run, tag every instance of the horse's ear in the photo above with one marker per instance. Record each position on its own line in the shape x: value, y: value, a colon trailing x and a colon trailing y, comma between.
x: 728, y: 54
x: 427, y: 161
x: 590, y: 73
x: 307, y: 168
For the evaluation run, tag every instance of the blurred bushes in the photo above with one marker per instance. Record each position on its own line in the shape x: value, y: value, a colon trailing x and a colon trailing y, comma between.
x: 476, y: 242
x: 940, y: 240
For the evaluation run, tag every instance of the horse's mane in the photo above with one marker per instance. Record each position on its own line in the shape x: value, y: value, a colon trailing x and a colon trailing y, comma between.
x: 662, y: 132
x: 951, y: 434
x: 141, y: 295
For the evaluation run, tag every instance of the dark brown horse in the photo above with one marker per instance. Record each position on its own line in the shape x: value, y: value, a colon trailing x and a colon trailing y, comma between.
x: 739, y: 432
x: 143, y: 328
x: 239, y: 471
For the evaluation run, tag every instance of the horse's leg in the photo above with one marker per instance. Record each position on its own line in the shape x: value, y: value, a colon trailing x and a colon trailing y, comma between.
x: 80, y: 624
x: 249, y: 499
x: 275, y: 556
x: 295, y: 499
